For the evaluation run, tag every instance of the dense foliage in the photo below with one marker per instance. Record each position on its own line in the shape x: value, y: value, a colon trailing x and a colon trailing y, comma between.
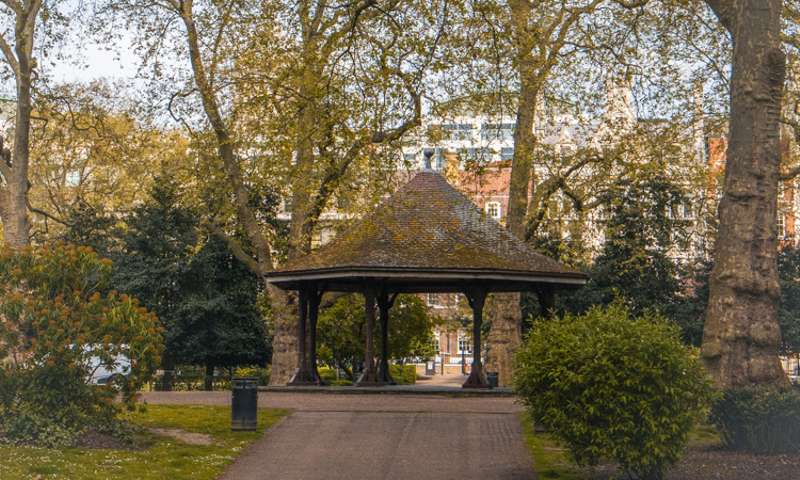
x: 609, y: 385
x: 640, y: 234
x: 218, y: 323
x: 341, y: 330
x: 58, y: 322
x: 205, y: 298
x: 789, y: 311
x: 761, y: 420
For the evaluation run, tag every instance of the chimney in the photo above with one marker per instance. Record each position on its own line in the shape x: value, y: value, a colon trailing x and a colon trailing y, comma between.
x: 698, y: 124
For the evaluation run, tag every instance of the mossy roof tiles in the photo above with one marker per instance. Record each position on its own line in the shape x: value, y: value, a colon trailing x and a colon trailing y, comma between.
x: 427, y: 226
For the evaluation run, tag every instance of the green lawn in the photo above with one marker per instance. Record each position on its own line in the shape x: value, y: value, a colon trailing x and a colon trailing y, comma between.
x: 552, y: 461
x: 549, y: 459
x: 164, y: 458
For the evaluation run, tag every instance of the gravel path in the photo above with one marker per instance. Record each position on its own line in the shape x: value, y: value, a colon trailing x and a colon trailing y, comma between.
x: 392, y: 437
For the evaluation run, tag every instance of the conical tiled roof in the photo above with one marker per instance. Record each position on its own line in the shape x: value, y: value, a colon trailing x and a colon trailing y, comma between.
x: 428, y: 227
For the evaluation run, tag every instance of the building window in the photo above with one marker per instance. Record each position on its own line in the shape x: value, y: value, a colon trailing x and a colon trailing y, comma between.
x: 507, y: 153
x: 781, y: 226
x: 464, y: 345
x: 567, y: 149
x: 436, y: 300
x: 437, y: 159
x: 493, y: 210
x: 458, y: 131
x: 503, y: 132
x: 409, y: 157
x: 686, y: 212
x: 73, y: 178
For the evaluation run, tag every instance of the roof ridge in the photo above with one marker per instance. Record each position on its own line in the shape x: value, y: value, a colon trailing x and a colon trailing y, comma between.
x: 427, y: 224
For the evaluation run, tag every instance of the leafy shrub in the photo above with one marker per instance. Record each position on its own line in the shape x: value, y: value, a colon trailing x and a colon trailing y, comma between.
x: 611, y: 386
x: 403, y: 374
x: 328, y: 375
x: 33, y: 427
x: 58, y: 321
x: 262, y: 373
x: 761, y: 420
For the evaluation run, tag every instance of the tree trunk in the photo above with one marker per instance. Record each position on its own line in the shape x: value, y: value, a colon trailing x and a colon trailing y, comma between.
x: 208, y: 384
x: 284, y: 340
x: 505, y: 335
x: 742, y: 335
x: 522, y: 163
x: 284, y: 336
x: 14, y: 169
x: 14, y: 211
x: 504, y: 312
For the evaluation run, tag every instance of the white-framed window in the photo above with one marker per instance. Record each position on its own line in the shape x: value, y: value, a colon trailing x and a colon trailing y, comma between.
x: 433, y: 300
x: 686, y: 211
x: 781, y: 226
x: 493, y: 210
x: 73, y: 178
x: 464, y: 344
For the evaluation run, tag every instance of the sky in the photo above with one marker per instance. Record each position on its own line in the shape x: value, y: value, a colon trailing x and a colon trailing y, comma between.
x: 96, y: 62
x: 82, y: 58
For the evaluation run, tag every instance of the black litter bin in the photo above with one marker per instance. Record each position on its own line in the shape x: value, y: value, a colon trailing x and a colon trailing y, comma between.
x: 492, y: 379
x: 244, y: 404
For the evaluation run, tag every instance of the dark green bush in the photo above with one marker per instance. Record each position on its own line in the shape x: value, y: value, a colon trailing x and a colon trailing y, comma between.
x: 609, y: 386
x: 760, y: 420
x: 403, y: 374
x: 328, y: 375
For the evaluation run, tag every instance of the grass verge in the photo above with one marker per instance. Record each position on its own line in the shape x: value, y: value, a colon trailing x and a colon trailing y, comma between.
x: 549, y: 459
x: 552, y: 461
x: 163, y: 457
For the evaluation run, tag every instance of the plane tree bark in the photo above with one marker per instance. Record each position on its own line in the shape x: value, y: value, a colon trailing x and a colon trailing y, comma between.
x: 741, y: 336
x: 17, y: 49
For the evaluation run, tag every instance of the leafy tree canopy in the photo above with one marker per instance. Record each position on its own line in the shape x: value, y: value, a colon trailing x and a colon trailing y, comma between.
x: 342, y: 327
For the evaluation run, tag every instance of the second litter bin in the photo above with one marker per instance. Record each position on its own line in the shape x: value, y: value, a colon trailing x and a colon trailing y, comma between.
x: 244, y: 403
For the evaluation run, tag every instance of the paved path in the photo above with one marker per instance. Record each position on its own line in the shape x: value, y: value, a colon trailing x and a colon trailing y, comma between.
x: 328, y: 402
x: 392, y: 437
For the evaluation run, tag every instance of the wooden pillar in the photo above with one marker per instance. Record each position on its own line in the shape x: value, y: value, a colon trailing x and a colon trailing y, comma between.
x: 477, y: 377
x: 547, y: 299
x: 314, y: 299
x: 385, y: 302
x: 301, y: 375
x: 369, y: 378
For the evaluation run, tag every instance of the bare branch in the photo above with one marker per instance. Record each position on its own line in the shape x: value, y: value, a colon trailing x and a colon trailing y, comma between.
x: 8, y: 52
x: 790, y: 174
x: 723, y: 9
x: 13, y: 5
x: 235, y: 247
x: 47, y: 215
x: 5, y: 160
